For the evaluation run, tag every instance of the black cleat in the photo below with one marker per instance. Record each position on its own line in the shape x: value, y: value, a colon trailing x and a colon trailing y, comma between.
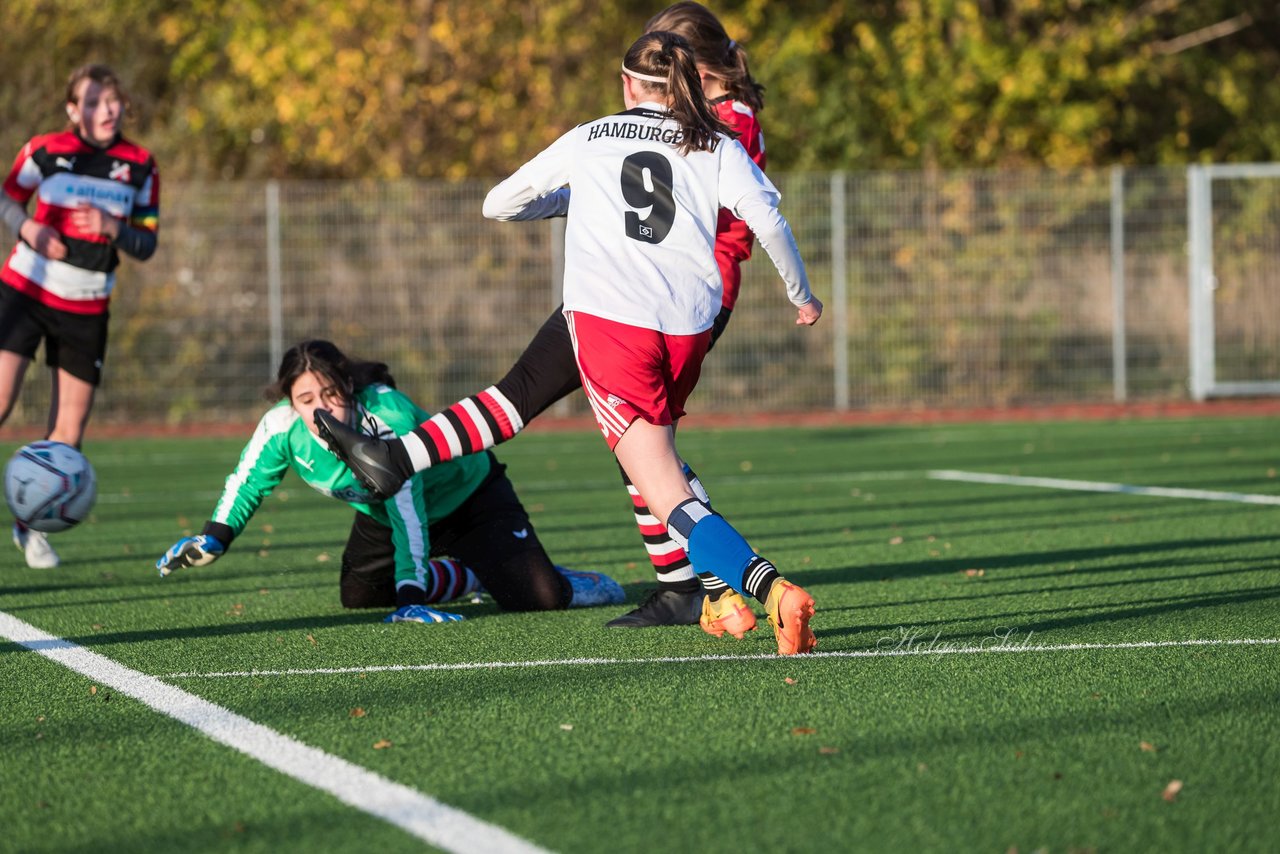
x: 368, y: 458
x: 663, y: 607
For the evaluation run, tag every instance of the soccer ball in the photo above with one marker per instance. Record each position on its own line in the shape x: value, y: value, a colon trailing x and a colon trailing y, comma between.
x: 49, y: 486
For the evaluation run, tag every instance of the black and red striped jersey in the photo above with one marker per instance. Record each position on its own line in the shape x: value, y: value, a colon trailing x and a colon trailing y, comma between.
x: 733, y: 237
x: 63, y: 171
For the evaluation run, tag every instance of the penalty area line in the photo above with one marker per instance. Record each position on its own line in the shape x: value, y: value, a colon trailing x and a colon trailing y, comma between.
x: 1102, y: 486
x: 413, y: 812
x: 892, y: 647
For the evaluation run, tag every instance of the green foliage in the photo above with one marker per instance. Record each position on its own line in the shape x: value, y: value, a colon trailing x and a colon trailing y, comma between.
x: 447, y: 88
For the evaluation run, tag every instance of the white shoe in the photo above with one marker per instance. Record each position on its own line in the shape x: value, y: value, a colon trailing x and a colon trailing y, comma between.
x: 35, y: 545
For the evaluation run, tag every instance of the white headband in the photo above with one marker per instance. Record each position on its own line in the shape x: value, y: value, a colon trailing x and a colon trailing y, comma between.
x: 637, y: 75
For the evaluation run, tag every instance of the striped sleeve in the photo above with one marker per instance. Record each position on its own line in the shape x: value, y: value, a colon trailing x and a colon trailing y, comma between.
x: 262, y: 466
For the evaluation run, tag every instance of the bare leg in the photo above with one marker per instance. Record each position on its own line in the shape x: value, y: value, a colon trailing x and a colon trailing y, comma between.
x: 648, y: 454
x: 13, y: 368
x: 69, y: 409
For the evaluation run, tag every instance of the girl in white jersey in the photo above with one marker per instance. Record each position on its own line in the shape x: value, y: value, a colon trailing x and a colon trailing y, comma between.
x: 546, y: 371
x: 642, y: 290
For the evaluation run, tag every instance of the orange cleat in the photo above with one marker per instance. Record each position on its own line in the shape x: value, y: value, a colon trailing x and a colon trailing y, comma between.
x: 790, y: 609
x: 730, y: 613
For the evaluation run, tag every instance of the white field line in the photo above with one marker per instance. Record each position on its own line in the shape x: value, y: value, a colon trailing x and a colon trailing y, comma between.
x: 415, y: 813
x: 1098, y: 486
x: 892, y: 647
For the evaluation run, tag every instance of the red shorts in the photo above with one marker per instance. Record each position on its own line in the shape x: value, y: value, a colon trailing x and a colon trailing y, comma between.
x: 629, y: 372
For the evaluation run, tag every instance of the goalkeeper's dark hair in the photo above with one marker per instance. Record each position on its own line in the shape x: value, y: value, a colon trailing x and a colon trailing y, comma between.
x: 663, y: 63
x: 720, y: 55
x: 324, y: 358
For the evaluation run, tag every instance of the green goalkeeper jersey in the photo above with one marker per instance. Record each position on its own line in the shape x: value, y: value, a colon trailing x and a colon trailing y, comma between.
x: 282, y: 441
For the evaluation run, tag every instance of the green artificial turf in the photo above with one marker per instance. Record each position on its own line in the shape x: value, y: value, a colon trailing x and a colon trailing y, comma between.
x: 956, y: 721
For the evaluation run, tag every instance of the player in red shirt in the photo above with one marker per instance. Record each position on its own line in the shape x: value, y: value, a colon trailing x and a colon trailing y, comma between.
x: 546, y: 371
x: 97, y: 194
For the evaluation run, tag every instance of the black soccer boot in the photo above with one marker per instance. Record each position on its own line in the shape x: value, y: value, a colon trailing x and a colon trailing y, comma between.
x: 369, y: 459
x: 663, y: 607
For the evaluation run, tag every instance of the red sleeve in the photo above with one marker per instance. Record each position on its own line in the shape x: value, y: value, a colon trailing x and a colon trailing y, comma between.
x: 24, y: 177
x: 733, y: 237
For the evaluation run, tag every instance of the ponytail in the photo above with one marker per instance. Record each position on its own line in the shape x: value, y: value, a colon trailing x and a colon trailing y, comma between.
x: 663, y: 62
x: 719, y: 55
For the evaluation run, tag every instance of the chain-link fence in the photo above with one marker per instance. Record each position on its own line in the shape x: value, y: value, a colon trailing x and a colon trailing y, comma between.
x: 942, y: 289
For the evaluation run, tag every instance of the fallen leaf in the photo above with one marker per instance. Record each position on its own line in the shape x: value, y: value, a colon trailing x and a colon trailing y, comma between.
x: 39, y: 718
x: 262, y: 591
x: 93, y: 689
x: 828, y: 751
x: 313, y: 640
x: 566, y: 727
x: 789, y: 681
x: 323, y: 557
x: 357, y: 712
x: 1147, y: 747
x: 896, y: 541
x: 381, y: 744
x: 1171, y: 791
x: 268, y: 529
x: 803, y: 730
x: 97, y: 626
x: 972, y: 573
x: 921, y: 768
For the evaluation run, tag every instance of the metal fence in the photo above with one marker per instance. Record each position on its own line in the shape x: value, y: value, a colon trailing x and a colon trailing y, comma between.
x: 943, y: 289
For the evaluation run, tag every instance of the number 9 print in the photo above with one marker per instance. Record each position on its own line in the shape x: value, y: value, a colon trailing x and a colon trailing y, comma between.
x: 646, y: 183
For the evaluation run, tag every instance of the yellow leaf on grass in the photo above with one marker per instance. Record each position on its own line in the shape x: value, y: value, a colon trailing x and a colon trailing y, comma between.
x: 313, y: 640
x: 357, y: 712
x: 789, y: 681
x: 1171, y: 791
x: 896, y: 541
x: 828, y: 751
x: 1147, y: 747
x: 381, y: 744
x: 93, y: 689
x: 803, y: 730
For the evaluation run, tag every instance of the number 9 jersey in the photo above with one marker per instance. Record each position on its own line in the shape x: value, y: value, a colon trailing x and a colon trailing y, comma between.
x: 640, y: 238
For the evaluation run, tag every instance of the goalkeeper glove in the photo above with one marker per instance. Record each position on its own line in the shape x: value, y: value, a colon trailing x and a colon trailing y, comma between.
x: 200, y: 550
x: 421, y: 614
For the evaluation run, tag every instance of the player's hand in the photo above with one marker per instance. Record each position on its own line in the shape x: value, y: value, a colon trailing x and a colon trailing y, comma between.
x: 808, y: 314
x: 45, y: 239
x: 421, y: 614
x: 200, y: 550
x: 89, y: 219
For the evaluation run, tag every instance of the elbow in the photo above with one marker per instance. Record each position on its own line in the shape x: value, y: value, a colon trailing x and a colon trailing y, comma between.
x: 495, y: 209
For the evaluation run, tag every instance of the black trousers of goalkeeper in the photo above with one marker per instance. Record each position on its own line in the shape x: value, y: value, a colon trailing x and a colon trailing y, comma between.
x: 490, y: 533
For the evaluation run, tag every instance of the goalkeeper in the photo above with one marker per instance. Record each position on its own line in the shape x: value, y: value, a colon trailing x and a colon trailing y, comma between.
x: 466, y: 509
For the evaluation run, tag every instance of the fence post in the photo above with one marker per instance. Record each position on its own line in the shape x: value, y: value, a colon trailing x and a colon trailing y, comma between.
x: 1119, y: 347
x: 561, y: 407
x: 1200, y: 278
x: 839, y: 292
x: 275, y: 309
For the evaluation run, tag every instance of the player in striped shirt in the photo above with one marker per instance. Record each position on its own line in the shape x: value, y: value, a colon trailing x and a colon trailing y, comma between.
x: 396, y: 553
x: 96, y: 194
x: 546, y: 371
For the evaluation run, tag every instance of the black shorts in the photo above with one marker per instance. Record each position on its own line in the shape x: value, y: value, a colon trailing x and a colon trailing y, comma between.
x: 490, y: 533
x: 75, y: 343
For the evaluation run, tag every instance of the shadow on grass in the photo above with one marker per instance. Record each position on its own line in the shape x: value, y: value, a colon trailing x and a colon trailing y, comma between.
x: 1088, y: 615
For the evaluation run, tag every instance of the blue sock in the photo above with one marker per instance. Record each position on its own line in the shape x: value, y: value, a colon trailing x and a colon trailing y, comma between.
x: 711, y: 542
